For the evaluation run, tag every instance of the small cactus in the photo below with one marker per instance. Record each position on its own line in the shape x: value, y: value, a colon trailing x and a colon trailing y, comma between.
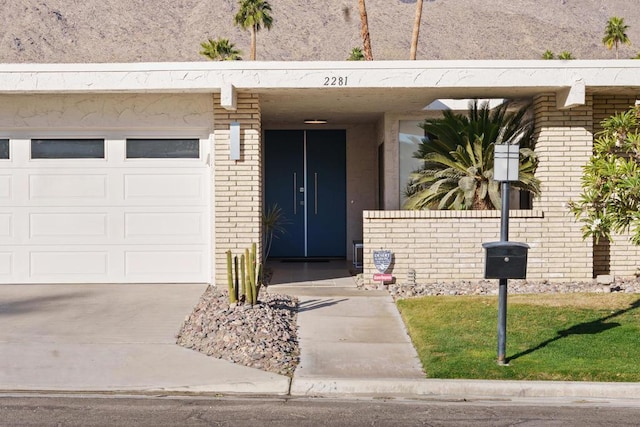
x: 232, y: 294
x: 244, y: 286
x: 236, y: 290
x: 243, y: 278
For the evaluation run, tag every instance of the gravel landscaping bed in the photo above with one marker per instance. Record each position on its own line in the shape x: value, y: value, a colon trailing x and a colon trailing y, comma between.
x: 263, y: 336
x: 490, y: 287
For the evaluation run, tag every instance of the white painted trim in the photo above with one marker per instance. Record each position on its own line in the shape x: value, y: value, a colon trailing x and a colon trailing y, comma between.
x: 214, y: 76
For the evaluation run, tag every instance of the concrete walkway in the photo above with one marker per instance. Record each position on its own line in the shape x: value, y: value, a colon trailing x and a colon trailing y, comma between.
x: 351, y: 341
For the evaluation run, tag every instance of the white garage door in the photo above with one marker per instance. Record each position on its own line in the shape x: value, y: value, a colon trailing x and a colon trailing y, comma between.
x: 104, y: 210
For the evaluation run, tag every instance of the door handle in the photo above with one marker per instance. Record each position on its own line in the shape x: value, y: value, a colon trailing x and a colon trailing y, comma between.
x: 295, y: 198
x: 315, y: 193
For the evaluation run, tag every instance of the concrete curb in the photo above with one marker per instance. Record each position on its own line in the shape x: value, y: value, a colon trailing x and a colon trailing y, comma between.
x: 464, y: 388
x: 276, y: 387
x: 387, y: 387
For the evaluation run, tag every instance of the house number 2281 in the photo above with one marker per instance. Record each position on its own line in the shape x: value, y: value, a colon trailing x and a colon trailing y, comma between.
x: 335, y: 81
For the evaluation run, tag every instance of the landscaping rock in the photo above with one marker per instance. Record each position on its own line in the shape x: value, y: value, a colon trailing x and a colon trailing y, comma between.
x: 490, y: 287
x: 263, y: 336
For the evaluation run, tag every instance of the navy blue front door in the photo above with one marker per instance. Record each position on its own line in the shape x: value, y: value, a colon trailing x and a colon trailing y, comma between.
x: 305, y: 175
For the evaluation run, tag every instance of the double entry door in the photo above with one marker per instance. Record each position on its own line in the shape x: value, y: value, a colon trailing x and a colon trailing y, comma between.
x: 305, y: 175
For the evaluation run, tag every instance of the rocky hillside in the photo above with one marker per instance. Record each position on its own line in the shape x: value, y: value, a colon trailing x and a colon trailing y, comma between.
x: 162, y: 30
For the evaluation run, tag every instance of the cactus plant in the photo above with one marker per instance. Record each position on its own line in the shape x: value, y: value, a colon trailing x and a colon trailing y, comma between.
x: 243, y: 279
x: 236, y: 284
x: 232, y: 297
x: 244, y: 286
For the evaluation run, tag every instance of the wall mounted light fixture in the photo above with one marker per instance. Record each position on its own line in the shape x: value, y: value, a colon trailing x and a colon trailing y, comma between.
x: 234, y: 141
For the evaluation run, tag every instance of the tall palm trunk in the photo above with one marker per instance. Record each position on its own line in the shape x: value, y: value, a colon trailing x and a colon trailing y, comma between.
x: 364, y: 31
x: 253, y: 42
x: 416, y: 30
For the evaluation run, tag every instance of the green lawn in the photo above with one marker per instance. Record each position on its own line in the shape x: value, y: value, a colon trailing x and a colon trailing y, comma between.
x: 577, y: 337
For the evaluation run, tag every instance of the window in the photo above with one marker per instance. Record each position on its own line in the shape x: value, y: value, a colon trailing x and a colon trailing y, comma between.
x: 67, y: 148
x: 163, y: 148
x: 4, y: 148
x: 409, y: 138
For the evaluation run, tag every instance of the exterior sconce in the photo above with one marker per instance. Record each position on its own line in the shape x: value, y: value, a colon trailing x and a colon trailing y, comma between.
x: 234, y: 141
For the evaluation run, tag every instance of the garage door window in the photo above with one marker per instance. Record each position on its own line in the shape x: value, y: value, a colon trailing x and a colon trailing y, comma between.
x: 4, y: 148
x: 67, y: 148
x: 163, y: 148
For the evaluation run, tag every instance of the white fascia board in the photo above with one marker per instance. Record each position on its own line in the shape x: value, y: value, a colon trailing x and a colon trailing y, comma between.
x: 248, y: 75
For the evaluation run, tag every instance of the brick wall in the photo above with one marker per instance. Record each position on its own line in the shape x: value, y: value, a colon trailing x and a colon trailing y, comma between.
x: 237, y: 186
x: 564, y: 144
x: 447, y: 245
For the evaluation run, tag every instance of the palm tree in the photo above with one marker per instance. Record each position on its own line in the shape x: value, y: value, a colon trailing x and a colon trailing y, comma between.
x: 548, y: 55
x: 253, y: 15
x: 364, y: 31
x: 356, y: 54
x: 457, y: 170
x: 220, y: 50
x: 614, y: 33
x: 416, y: 30
x: 565, y: 55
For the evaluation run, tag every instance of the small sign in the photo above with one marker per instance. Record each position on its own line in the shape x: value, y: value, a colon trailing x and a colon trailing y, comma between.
x: 382, y: 260
x: 381, y: 277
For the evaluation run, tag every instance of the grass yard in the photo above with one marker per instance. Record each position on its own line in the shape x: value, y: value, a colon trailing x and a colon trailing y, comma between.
x: 575, y: 337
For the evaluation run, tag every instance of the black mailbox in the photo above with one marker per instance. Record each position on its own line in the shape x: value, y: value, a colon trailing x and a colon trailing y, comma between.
x: 505, y: 260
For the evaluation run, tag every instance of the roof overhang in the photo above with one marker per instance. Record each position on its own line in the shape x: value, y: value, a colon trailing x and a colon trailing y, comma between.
x: 344, y: 90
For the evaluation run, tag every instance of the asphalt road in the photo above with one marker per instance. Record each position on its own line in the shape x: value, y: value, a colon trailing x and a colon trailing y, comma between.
x: 62, y: 410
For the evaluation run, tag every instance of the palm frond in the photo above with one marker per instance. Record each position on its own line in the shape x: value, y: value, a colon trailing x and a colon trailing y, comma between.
x: 459, y: 150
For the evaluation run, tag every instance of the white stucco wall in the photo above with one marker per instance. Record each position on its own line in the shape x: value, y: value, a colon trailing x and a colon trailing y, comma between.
x: 362, y: 178
x: 112, y: 112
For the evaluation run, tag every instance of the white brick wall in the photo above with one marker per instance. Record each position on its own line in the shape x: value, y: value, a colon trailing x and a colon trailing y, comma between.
x: 237, y: 197
x: 447, y: 245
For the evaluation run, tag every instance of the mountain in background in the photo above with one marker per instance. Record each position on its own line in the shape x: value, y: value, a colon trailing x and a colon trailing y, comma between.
x: 66, y: 31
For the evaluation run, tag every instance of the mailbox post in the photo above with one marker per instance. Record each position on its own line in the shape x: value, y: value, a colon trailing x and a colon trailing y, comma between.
x: 505, y: 169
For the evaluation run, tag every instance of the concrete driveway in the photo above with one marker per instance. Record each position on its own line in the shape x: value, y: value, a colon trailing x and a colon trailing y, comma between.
x: 111, y: 338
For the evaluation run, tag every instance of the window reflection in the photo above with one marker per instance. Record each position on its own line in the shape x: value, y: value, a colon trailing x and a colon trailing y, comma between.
x: 67, y: 148
x: 163, y: 148
x: 4, y: 148
x: 410, y: 136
